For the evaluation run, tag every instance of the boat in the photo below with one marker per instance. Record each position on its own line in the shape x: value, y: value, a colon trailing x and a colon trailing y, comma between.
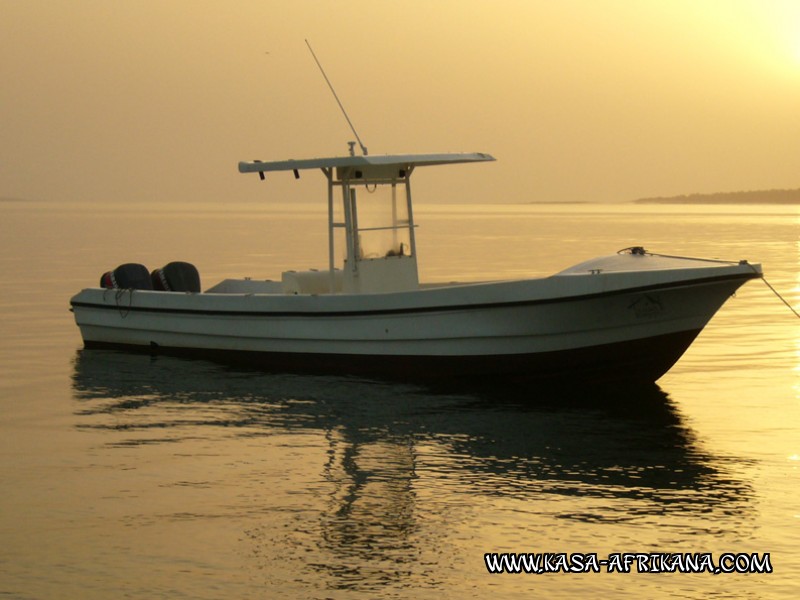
x: 624, y: 317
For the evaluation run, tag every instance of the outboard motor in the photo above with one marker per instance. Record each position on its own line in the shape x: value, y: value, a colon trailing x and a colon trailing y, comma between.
x: 176, y: 277
x: 128, y: 276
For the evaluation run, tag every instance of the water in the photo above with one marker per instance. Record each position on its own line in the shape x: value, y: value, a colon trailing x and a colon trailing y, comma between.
x: 139, y: 477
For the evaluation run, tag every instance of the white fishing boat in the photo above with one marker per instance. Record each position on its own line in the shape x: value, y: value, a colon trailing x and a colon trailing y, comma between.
x: 628, y: 316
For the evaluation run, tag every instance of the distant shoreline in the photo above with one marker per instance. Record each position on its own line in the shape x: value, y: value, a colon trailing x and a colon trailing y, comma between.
x: 754, y: 197
x: 561, y: 202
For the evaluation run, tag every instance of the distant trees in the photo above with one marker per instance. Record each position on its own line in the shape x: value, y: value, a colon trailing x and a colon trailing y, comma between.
x: 752, y: 197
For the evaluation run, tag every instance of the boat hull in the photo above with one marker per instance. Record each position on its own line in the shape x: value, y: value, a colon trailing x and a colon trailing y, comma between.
x: 585, y: 326
x: 636, y: 361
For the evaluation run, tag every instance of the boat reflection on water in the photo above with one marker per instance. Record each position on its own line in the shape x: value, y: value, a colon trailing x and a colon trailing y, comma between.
x: 395, y: 450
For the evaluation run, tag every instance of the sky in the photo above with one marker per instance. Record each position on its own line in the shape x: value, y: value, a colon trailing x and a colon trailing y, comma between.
x: 579, y: 100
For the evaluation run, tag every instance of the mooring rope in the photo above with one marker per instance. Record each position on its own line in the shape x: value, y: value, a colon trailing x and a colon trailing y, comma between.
x: 782, y: 299
x: 639, y: 250
x: 774, y: 291
x: 769, y: 285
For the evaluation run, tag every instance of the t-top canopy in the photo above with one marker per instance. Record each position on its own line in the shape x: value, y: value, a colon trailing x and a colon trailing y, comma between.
x: 399, y: 160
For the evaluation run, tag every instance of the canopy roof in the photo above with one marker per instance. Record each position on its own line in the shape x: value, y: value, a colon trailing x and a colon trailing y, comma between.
x: 399, y: 160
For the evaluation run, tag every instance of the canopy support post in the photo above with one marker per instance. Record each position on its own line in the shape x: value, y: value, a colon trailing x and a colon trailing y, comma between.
x: 411, y: 236
x: 331, y: 242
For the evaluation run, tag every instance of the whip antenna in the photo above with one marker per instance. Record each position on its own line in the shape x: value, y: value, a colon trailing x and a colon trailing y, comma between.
x: 339, y: 102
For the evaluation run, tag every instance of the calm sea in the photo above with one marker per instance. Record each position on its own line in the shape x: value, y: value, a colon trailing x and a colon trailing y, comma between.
x: 137, y: 477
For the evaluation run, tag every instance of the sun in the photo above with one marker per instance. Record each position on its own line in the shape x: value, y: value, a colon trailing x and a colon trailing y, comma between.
x: 772, y: 32
x: 788, y: 29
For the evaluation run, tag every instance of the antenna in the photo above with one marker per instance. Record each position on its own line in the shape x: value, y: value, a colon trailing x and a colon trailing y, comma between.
x: 344, y: 112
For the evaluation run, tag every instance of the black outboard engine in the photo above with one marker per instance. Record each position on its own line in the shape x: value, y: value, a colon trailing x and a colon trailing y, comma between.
x: 176, y: 277
x: 130, y: 276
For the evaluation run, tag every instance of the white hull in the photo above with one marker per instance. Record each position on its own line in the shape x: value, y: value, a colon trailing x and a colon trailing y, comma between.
x: 626, y: 316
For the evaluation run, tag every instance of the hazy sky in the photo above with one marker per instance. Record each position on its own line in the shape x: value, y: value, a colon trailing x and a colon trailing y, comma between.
x: 598, y: 100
